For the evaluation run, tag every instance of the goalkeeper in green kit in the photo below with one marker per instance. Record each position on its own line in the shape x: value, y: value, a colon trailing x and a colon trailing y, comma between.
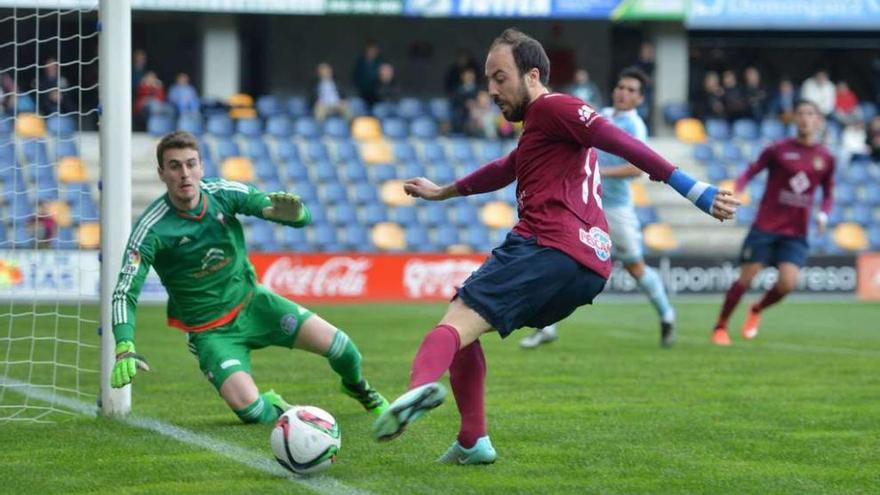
x: 196, y: 244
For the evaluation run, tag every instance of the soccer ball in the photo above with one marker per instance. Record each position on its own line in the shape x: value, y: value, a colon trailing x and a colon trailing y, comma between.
x: 305, y: 439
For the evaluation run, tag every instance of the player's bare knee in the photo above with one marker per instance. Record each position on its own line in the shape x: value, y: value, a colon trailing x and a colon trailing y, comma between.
x: 239, y: 390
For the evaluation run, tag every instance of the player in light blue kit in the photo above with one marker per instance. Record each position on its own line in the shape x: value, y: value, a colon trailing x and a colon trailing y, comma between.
x: 625, y: 230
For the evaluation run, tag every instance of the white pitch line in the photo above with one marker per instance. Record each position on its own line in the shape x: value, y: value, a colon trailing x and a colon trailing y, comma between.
x: 319, y: 484
x: 781, y: 346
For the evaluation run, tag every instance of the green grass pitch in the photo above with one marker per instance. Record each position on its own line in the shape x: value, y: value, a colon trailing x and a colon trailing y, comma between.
x: 602, y: 410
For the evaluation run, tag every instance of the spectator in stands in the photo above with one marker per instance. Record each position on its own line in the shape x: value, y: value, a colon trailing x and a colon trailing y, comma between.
x: 873, y: 139
x: 846, y: 104
x: 585, y: 89
x: 820, y: 90
x: 464, y: 60
x: 756, y: 95
x: 483, y: 117
x: 387, y: 88
x: 55, y: 102
x: 150, y: 95
x: 782, y: 105
x: 736, y: 106
x: 366, y: 72
x: 183, y: 95
x: 43, y: 225
x: 326, y: 97
x: 853, y: 140
x: 462, y: 100
x: 11, y: 99
x: 51, y: 76
x: 646, y: 63
x: 710, y: 104
x: 138, y: 69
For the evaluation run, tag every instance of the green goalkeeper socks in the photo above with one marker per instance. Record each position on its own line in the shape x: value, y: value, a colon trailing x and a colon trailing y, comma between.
x: 345, y: 359
x: 261, y: 411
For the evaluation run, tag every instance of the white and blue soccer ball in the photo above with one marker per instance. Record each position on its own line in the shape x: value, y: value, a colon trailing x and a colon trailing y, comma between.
x: 306, y: 439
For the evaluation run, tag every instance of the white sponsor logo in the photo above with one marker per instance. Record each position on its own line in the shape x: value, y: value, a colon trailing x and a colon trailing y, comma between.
x: 228, y: 363
x: 599, y: 240
x: 338, y: 276
x: 423, y: 278
x: 791, y: 155
x: 586, y: 115
x: 799, y: 183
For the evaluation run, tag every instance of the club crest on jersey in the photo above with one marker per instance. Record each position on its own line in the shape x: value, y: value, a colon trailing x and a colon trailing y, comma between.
x: 132, y: 262
x: 289, y: 322
x: 818, y: 163
x: 599, y: 240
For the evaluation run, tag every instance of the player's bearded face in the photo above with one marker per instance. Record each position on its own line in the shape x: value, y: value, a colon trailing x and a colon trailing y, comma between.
x: 515, y: 109
x: 507, y: 87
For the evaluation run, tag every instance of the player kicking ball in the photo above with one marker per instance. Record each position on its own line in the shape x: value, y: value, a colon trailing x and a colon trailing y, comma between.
x: 796, y: 167
x: 557, y: 257
x: 196, y: 244
x: 626, y: 231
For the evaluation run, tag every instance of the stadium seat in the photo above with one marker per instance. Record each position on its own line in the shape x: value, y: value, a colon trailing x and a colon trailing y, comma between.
x: 159, y: 125
x: 295, y: 171
x: 772, y: 130
x: 861, y: 214
x: 266, y: 171
x: 67, y: 238
x: 316, y: 152
x: 745, y: 129
x: 336, y: 127
x: 7, y: 124
x: 71, y: 169
x: 294, y: 239
x: 381, y: 173
x: 344, y: 214
x: 279, y: 126
x: 639, y: 194
x: 249, y: 127
x: 404, y: 152
x: 29, y: 125
x: 388, y: 236
x: 432, y: 151
x: 477, y: 237
x: 297, y: 107
x: 410, y: 108
x: 306, y: 128
x: 354, y: 171
x: 268, y: 106
x: 287, y: 151
x: 874, y: 237
x: 417, y: 239
x: 61, y: 126
x: 413, y: 169
x: 241, y: 106
x: 357, y: 107
x: 89, y: 235
x: 424, y: 128
x: 868, y: 110
x: 461, y: 151
x: 220, y: 126
x: 446, y: 235
x: 357, y: 238
x: 377, y: 152
x: 716, y: 172
x: 646, y: 215
x: 659, y: 237
x: 345, y: 150
x: 191, y: 123
x: 394, y: 128
x: 374, y: 213
x: 464, y: 213
x: 673, y: 112
x: 262, y: 237
x: 226, y: 147
x: 324, y: 172
x: 333, y: 193
x: 392, y: 194
x: 498, y: 215
x: 237, y: 168
x: 434, y: 214
x: 257, y: 149
x: 690, y: 131
x: 489, y: 150
x: 717, y: 129
x: 365, y: 193
x: 366, y: 129
x: 440, y: 109
x: 850, y: 237
x: 384, y: 110
x: 703, y: 152
x: 405, y: 215
x: 731, y: 152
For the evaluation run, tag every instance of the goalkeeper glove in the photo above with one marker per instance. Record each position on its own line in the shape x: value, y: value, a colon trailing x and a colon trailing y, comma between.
x: 286, y: 207
x: 127, y: 363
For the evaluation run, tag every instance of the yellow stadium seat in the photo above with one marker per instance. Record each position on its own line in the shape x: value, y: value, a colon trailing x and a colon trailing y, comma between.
x: 850, y: 236
x: 459, y: 249
x: 690, y: 131
x: 639, y: 194
x: 377, y: 152
x: 242, y: 113
x: 497, y: 215
x: 89, y: 235
x: 366, y: 128
x: 392, y: 194
x: 730, y: 185
x: 238, y: 168
x: 388, y: 236
x: 71, y: 169
x: 60, y: 211
x: 30, y: 125
x: 659, y: 237
x: 240, y: 100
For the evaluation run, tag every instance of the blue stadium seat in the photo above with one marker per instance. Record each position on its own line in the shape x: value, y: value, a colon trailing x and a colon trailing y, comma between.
x: 336, y: 127
x: 394, y: 128
x: 745, y: 215
x: 357, y: 238
x: 489, y: 150
x: 404, y: 215
x: 384, y: 110
x: 374, y: 213
x: 703, y: 152
x: 432, y: 151
x: 410, y: 108
x: 288, y: 151
x: 461, y: 151
x: 434, y: 214
x: 745, y: 129
x: 210, y: 167
x: 273, y: 185
x: 257, y: 149
x: 262, y: 237
x: 477, y: 237
x: 7, y: 124
x: 874, y: 237
x: 297, y: 107
x: 357, y: 107
x: 413, y: 169
x: 646, y: 215
x: 317, y: 152
x: 423, y: 127
x: 346, y: 150
x: 673, y: 112
x: 496, y: 237
x: 4, y: 242
x: 508, y: 195
x: 442, y: 173
x: 772, y: 130
x: 872, y: 193
x: 61, y: 126
x: 279, y: 126
x: 354, y: 171
x: 365, y: 193
x: 716, y: 172
x: 159, y: 125
x: 296, y: 171
x: 268, y: 106
x: 307, y: 128
x: 440, y: 110
x: 844, y: 194
x: 446, y: 235
x: 868, y: 110
x: 344, y: 214
x: 35, y: 152
x: 191, y: 123
x: 294, y: 239
x: 836, y: 216
x: 333, y: 193
x: 861, y: 214
x: 465, y: 214
x: 857, y: 173
x: 417, y: 239
x: 731, y: 152
x: 227, y: 148
x: 67, y: 238
x: 220, y: 125
x: 266, y: 170
x: 324, y: 172
x: 404, y: 151
x: 323, y: 235
x: 381, y: 173
x: 717, y: 129
x: 318, y: 211
x: 249, y: 127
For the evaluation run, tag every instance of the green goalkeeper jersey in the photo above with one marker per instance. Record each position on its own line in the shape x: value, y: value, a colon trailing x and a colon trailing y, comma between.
x: 200, y: 256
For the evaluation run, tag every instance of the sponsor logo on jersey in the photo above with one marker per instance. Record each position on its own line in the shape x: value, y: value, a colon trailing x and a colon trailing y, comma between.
x: 289, y: 322
x: 212, y: 261
x: 791, y: 155
x: 599, y: 240
x: 799, y: 183
x: 132, y: 262
x: 587, y: 115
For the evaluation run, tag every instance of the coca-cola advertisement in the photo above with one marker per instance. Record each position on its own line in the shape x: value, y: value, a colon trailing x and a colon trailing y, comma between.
x: 364, y: 277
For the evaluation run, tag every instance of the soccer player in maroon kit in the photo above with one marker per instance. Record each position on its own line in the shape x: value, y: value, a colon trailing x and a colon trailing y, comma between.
x: 557, y: 257
x: 796, y: 167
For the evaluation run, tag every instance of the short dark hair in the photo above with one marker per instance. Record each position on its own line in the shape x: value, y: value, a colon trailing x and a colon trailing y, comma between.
x: 804, y: 101
x: 637, y: 74
x: 527, y: 52
x: 175, y: 141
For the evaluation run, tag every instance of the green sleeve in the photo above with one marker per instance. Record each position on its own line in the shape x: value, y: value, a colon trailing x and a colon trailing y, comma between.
x: 136, y: 263
x: 248, y: 200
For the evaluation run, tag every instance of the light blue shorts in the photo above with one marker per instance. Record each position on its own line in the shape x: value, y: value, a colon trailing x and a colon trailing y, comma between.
x: 626, y: 234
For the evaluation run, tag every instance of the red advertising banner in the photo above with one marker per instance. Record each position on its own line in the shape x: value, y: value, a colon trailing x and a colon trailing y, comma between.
x: 357, y: 277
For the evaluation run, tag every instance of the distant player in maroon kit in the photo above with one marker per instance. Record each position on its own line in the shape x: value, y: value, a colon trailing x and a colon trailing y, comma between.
x: 557, y: 257
x: 796, y: 168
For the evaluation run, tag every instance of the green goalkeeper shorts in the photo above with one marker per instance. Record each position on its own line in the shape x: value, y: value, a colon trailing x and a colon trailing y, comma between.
x: 267, y: 319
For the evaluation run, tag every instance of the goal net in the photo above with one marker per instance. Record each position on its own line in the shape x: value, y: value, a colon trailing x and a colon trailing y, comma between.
x: 49, y: 213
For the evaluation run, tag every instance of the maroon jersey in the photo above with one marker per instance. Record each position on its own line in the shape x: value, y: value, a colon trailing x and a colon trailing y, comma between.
x: 559, y: 192
x: 794, y: 171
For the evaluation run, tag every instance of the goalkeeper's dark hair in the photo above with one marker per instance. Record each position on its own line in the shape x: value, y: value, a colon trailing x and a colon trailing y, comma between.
x: 176, y: 140
x: 527, y: 52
